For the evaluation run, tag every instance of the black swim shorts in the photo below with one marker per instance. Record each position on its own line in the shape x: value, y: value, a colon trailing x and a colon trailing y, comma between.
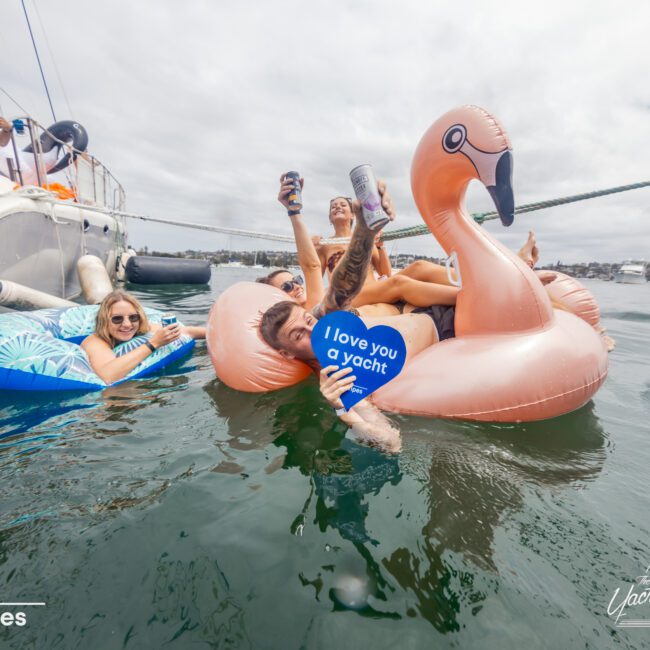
x: 443, y: 319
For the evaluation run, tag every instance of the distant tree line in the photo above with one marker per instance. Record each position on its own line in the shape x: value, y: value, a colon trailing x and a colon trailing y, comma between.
x: 282, y: 259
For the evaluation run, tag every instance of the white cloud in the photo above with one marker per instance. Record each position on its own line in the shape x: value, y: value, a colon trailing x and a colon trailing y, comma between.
x: 198, y: 108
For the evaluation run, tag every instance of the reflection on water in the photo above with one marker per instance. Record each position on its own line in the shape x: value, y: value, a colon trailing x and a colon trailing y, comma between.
x: 194, y: 595
x: 175, y: 512
x: 470, y: 476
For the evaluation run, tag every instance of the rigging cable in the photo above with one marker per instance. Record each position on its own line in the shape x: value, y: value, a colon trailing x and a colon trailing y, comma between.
x: 56, y: 67
x: 38, y: 58
x: 14, y: 101
x: 412, y: 231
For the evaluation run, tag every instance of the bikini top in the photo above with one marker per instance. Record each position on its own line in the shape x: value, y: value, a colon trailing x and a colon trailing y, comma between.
x: 334, y: 259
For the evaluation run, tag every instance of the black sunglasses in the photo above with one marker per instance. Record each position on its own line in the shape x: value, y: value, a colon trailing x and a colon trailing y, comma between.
x: 118, y: 320
x: 288, y: 285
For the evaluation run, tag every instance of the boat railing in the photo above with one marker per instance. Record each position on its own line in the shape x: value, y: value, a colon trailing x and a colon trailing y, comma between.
x: 90, y: 182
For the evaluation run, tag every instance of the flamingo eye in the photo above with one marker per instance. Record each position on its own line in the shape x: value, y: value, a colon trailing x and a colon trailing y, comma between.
x: 454, y: 138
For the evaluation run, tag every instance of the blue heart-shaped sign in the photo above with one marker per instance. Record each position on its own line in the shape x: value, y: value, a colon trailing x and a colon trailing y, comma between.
x: 376, y: 355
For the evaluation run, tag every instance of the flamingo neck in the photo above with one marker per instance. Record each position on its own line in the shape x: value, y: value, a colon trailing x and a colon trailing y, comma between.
x: 499, y: 292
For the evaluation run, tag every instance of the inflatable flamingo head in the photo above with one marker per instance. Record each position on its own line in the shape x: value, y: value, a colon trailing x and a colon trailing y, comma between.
x: 464, y: 144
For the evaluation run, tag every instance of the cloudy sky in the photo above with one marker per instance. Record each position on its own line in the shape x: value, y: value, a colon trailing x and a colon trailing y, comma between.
x: 198, y: 107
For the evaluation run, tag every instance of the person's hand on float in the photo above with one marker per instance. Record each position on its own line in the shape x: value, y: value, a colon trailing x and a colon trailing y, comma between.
x: 333, y: 385
x: 165, y: 335
x: 286, y: 187
x: 379, y: 242
x: 386, y: 204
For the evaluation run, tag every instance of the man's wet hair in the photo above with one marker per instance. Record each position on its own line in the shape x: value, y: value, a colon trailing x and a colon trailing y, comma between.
x: 267, y: 278
x: 272, y: 321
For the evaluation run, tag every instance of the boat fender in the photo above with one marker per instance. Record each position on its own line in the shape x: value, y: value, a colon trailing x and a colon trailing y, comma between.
x: 94, y: 279
x: 120, y: 271
x: 20, y: 297
x: 143, y: 269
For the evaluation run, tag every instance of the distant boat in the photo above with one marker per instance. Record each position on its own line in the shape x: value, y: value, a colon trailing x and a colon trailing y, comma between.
x: 631, y: 272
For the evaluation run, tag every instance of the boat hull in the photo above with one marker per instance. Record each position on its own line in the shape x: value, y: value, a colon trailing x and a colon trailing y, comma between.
x: 40, y: 243
x: 629, y: 278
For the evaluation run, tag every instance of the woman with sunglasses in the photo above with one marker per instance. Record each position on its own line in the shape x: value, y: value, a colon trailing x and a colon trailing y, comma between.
x: 119, y: 319
x: 293, y: 285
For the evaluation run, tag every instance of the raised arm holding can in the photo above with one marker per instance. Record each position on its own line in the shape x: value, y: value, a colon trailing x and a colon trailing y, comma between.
x: 365, y: 189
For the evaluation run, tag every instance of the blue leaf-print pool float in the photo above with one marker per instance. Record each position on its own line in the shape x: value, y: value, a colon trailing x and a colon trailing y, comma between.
x: 40, y: 350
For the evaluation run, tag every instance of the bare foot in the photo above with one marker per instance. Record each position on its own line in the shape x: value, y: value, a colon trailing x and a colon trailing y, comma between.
x: 529, y: 251
x: 609, y: 342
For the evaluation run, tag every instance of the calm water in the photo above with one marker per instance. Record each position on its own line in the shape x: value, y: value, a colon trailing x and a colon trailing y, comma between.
x: 174, y: 512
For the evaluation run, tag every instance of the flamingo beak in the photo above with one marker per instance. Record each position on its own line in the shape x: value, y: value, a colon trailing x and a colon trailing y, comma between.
x: 501, y: 190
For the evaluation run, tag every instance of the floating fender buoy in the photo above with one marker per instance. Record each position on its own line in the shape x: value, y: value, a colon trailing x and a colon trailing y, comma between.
x: 94, y: 279
x: 22, y: 298
x: 120, y: 271
x: 167, y: 270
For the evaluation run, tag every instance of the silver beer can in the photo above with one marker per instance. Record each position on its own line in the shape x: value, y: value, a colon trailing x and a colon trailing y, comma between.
x: 167, y: 319
x: 365, y: 188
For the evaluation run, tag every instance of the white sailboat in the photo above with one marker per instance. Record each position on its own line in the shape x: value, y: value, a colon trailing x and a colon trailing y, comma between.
x: 57, y: 203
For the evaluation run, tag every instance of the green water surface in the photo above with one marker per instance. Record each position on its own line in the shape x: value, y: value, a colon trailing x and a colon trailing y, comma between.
x: 174, y: 512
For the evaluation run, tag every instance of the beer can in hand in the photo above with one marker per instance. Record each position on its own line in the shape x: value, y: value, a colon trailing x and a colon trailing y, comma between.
x: 365, y: 188
x: 167, y: 319
x: 295, y: 197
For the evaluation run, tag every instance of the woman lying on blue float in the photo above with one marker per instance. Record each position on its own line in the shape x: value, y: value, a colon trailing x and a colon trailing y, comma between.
x: 121, y: 318
x: 88, y: 347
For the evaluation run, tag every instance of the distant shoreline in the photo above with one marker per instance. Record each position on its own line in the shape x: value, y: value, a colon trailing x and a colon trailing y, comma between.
x: 284, y: 259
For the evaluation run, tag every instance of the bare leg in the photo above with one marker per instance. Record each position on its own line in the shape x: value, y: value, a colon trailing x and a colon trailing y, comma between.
x: 529, y: 251
x: 424, y: 283
x: 426, y: 272
x: 401, y: 287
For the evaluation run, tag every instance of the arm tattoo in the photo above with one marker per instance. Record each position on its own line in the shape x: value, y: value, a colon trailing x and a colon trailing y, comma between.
x: 348, y: 277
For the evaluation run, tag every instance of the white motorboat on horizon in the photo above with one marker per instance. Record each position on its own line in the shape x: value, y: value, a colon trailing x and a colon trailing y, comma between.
x: 631, y: 272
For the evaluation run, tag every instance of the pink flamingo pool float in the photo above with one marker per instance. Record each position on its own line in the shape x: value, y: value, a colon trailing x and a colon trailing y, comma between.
x: 514, y: 358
